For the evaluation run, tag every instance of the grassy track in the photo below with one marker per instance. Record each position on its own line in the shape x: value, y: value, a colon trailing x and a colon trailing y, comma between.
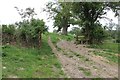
x: 55, y: 37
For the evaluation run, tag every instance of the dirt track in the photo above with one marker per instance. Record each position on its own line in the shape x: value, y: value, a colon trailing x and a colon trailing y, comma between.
x: 79, y: 62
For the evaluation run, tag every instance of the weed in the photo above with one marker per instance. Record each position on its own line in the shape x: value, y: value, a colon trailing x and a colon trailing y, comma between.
x: 85, y: 71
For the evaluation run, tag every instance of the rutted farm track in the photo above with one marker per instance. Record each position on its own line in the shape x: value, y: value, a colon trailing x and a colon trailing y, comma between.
x: 79, y: 62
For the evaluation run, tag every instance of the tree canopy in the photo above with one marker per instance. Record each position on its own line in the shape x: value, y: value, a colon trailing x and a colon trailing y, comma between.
x: 89, y: 15
x: 61, y: 14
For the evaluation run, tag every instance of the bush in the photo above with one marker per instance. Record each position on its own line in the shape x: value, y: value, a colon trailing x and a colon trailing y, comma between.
x: 8, y: 33
x: 118, y: 41
x: 98, y: 34
x: 30, y: 32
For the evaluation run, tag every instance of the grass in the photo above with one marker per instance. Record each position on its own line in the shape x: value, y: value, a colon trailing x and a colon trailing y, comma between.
x: 56, y: 37
x: 110, y: 50
x: 85, y: 71
x: 30, y: 62
x: 108, y: 55
x: 112, y: 47
x: 108, y: 46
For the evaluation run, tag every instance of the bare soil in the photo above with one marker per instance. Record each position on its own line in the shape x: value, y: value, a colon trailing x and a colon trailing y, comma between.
x: 79, y: 62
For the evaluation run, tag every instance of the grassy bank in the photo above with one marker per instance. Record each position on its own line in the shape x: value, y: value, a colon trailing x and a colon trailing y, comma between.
x: 30, y: 62
x: 110, y: 47
x: 110, y: 51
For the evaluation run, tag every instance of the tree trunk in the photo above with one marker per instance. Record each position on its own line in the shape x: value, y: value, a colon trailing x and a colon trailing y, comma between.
x: 64, y: 30
x: 87, y: 33
x: 27, y: 40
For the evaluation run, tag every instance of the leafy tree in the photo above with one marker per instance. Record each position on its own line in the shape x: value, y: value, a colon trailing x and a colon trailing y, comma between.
x: 99, y: 34
x: 89, y: 14
x: 61, y: 14
x: 115, y: 6
x: 8, y: 29
x: 30, y: 30
x: 37, y: 28
x: 28, y: 13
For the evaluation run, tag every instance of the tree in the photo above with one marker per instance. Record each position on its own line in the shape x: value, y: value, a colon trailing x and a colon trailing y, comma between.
x: 99, y: 33
x: 61, y: 14
x: 31, y: 29
x: 88, y: 14
x: 28, y: 13
x: 38, y: 27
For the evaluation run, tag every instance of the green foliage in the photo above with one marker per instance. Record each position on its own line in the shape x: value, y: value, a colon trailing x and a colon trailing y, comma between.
x: 8, y: 33
x: 28, y: 31
x: 98, y: 34
x: 61, y: 14
x: 31, y: 30
x: 76, y: 31
x: 115, y: 6
x: 8, y: 29
x: 88, y: 15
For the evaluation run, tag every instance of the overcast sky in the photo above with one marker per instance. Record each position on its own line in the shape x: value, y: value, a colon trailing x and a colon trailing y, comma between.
x: 8, y: 13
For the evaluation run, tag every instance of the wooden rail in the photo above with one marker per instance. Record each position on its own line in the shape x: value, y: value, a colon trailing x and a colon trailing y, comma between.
x: 81, y: 40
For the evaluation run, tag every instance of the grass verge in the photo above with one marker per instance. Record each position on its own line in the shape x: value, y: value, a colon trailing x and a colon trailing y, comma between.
x: 20, y: 62
x: 109, y: 47
x: 111, y: 56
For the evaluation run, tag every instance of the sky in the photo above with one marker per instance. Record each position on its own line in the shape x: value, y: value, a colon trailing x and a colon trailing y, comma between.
x: 9, y: 14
